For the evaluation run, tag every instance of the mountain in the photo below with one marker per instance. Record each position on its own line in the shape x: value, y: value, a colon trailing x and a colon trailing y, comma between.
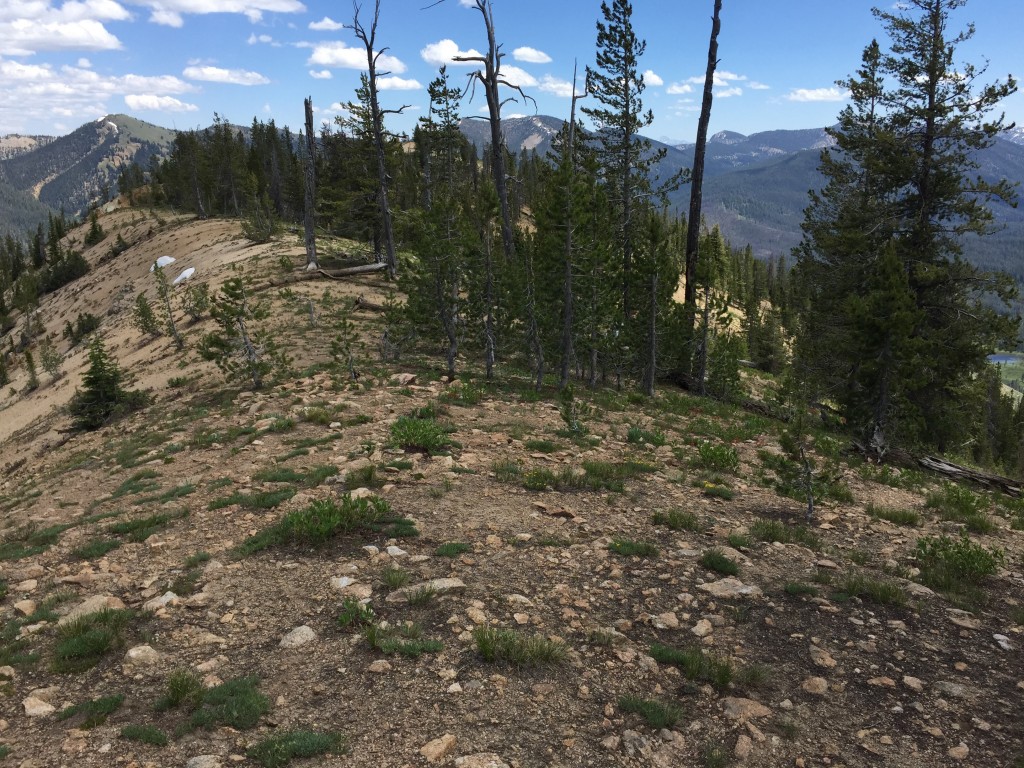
x: 73, y: 170
x: 15, y: 144
x: 528, y: 134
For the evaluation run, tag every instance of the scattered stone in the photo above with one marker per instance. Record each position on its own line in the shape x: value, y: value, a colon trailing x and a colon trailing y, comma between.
x: 439, y: 749
x: 36, y: 707
x: 882, y: 682
x: 744, y: 746
x: 1003, y: 642
x: 403, y: 379
x: 702, y: 628
x: 141, y: 656
x: 964, y: 619
x: 8, y: 673
x: 831, y: 565
x: 476, y: 615
x: 822, y: 658
x: 667, y: 620
x: 91, y: 605
x: 480, y: 760
x: 298, y: 637
x: 913, y: 683
x: 730, y: 587
x: 816, y: 686
x: 744, y: 709
x: 437, y: 586
x: 380, y: 666
x: 917, y: 590
x: 25, y: 607
x: 959, y: 752
x: 26, y: 586
x: 204, y: 761
x: 167, y: 598
x: 396, y: 551
x: 611, y: 743
x: 954, y: 690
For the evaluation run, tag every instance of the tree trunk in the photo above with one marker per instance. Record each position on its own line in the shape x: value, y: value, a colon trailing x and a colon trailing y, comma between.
x: 310, y: 201
x: 696, y: 184
x: 651, y: 369
x: 567, y: 297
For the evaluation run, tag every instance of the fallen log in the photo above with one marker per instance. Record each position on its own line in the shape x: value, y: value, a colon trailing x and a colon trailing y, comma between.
x: 330, y: 274
x: 370, y: 306
x: 956, y: 472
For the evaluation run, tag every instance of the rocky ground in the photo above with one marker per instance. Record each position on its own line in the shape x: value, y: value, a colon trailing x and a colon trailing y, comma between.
x: 520, y: 526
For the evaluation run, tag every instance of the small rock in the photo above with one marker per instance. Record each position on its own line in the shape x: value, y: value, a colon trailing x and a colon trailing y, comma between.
x: 667, y: 620
x: 1003, y: 642
x: 829, y: 564
x: 744, y: 746
x: 816, y: 686
x: 913, y: 683
x: 380, y: 666
x: 703, y: 628
x: 959, y: 752
x: 167, y: 598
x: 298, y: 637
x: 480, y: 760
x: 36, y: 707
x: 882, y: 682
x: 730, y: 587
x: 396, y: 551
x: 822, y: 658
x: 439, y: 749
x: 953, y: 690
x: 8, y: 673
x: 611, y: 743
x: 25, y: 607
x: 141, y: 655
x: 204, y: 761
x: 26, y: 586
x: 91, y: 605
x: 476, y: 615
x: 437, y: 586
x: 743, y: 709
x: 403, y: 379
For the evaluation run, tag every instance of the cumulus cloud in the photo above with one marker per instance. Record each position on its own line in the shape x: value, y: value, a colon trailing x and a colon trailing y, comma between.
x: 723, y: 78
x: 553, y: 85
x: 265, y: 39
x: 326, y: 24
x: 219, y: 75
x: 171, y: 13
x: 530, y: 55
x: 756, y: 86
x: 36, y: 94
x: 725, y: 93
x: 29, y: 34
x: 158, y: 103
x: 320, y: 74
x: 679, y: 88
x: 817, y: 94
x: 444, y: 51
x: 84, y: 63
x: 397, y: 84
x: 339, y: 55
x: 517, y: 77
x: 652, y: 78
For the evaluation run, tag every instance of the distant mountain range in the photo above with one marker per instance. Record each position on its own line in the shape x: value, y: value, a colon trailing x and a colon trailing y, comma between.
x: 755, y: 186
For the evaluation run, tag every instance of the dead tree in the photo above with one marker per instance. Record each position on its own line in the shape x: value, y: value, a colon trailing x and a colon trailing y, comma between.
x: 490, y: 79
x: 368, y: 38
x: 310, y: 202
x: 696, y: 183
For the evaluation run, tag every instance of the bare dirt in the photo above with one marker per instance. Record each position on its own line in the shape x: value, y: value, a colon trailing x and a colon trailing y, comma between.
x: 819, y: 679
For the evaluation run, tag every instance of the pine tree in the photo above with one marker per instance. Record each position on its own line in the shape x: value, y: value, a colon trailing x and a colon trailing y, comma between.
x: 103, y: 396
x: 143, y: 316
x: 237, y: 349
x: 885, y: 235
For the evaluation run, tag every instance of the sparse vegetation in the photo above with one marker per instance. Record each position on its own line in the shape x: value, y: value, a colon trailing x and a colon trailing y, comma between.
x: 630, y: 548
x: 697, y: 665
x: 83, y: 642
x: 94, y: 712
x: 452, y: 549
x: 678, y: 520
x: 145, y: 734
x: 716, y: 560
x: 280, y: 749
x: 510, y: 647
x: 950, y: 564
x: 907, y: 517
x: 656, y: 714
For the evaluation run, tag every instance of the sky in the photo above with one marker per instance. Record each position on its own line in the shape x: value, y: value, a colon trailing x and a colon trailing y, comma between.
x: 177, y: 62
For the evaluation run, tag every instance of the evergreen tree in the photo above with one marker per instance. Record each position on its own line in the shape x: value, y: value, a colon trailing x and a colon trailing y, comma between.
x: 143, y: 316
x: 885, y: 235
x: 103, y: 396
x: 236, y: 348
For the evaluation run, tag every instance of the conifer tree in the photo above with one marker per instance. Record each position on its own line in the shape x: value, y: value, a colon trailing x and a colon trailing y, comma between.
x: 236, y: 348
x: 887, y: 229
x: 103, y: 396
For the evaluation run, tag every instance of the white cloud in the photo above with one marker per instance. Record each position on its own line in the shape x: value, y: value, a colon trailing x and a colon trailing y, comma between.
x: 530, y: 55
x: 34, y: 94
x: 171, y: 12
x: 817, y: 94
x: 553, y: 85
x: 652, y: 78
x: 722, y: 79
x: 679, y: 88
x: 266, y: 39
x: 397, y: 84
x: 725, y: 93
x: 756, y: 86
x: 467, y: 3
x: 26, y: 36
x: 339, y: 55
x: 517, y: 77
x: 158, y: 103
x: 320, y: 74
x: 84, y: 63
x: 220, y: 75
x: 444, y: 51
x: 326, y: 24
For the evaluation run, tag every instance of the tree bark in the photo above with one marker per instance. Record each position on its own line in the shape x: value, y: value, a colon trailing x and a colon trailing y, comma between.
x: 310, y: 201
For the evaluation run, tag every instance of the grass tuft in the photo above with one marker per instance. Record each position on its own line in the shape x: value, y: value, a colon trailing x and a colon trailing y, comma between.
x: 630, y: 548
x: 678, y: 520
x: 907, y: 517
x: 83, y: 642
x: 94, y: 712
x: 510, y: 647
x: 656, y: 714
x: 145, y: 734
x: 717, y: 671
x: 280, y: 749
x: 716, y: 560
x: 452, y: 549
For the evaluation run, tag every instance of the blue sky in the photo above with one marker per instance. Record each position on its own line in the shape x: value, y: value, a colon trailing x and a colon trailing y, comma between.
x: 176, y: 62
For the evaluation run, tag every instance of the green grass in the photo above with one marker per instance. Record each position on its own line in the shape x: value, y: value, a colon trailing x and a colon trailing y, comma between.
x: 140, y: 482
x: 951, y: 564
x: 145, y: 734
x: 355, y: 614
x: 907, y: 517
x: 511, y: 647
x: 420, y: 596
x: 404, y: 640
x: 678, y: 520
x: 716, y: 457
x: 95, y: 548
x: 715, y: 491
x: 417, y: 434
x: 452, y: 549
x: 596, y: 476
x: 82, y: 643
x: 639, y: 436
x: 194, y: 561
x: 28, y: 541
x: 656, y: 714
x: 281, y: 748
x: 739, y: 540
x: 255, y: 500
x: 630, y: 548
x: 236, y: 704
x: 960, y: 505
x: 183, y: 687
x: 715, y: 756
x: 309, y: 479
x: 177, y: 492
x: 94, y: 712
x: 394, y: 577
x: 541, y: 446
x: 877, y: 591
x: 775, y: 530
x: 142, y: 528
x: 799, y: 589
x: 715, y: 560
x: 696, y: 665
x: 507, y: 470
x: 326, y: 519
